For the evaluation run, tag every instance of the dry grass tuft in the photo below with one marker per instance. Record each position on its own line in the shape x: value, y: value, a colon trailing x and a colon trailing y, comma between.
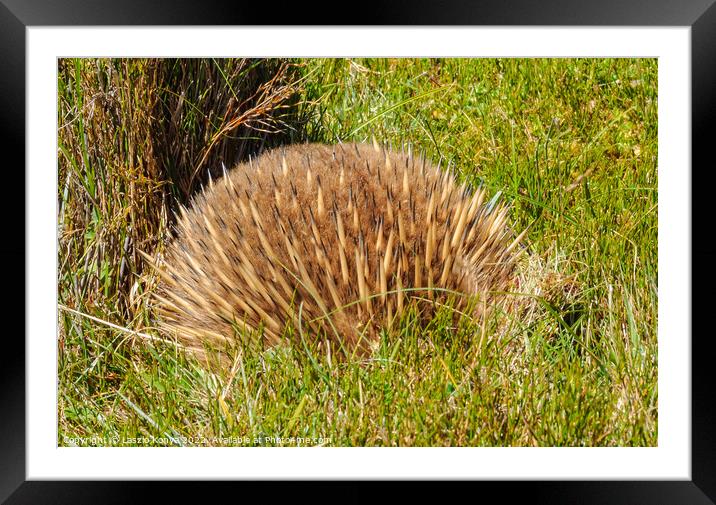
x: 135, y: 138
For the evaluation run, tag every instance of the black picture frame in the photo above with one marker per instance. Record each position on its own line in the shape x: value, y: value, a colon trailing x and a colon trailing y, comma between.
x: 699, y: 15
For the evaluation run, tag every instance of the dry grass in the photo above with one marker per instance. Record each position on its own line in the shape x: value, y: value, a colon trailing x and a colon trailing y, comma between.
x: 135, y: 139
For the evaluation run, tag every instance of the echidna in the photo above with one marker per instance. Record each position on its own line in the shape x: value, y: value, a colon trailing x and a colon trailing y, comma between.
x: 342, y: 237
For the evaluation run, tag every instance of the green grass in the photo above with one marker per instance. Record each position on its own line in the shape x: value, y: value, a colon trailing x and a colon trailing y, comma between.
x: 572, y: 144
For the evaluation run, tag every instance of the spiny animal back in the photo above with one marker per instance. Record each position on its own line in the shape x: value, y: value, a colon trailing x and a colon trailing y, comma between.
x: 346, y: 235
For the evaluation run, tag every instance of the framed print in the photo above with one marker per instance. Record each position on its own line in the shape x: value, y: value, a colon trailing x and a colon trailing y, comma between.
x: 451, y: 244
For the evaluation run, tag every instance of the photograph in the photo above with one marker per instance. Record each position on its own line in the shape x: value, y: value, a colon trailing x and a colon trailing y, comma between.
x: 357, y: 252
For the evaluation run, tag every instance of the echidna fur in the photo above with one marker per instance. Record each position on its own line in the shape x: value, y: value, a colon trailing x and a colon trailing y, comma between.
x: 343, y: 237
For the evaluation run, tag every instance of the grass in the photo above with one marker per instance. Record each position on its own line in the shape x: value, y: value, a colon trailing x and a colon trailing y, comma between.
x: 572, y: 144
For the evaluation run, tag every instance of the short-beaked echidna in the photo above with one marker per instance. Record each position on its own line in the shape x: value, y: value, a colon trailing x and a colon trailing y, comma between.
x: 341, y: 237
